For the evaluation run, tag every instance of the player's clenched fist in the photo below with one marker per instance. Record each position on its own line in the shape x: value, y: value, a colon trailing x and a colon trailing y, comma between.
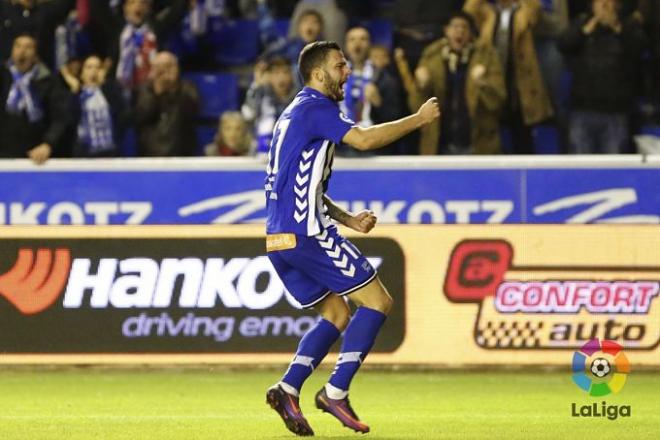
x: 429, y: 111
x: 363, y: 221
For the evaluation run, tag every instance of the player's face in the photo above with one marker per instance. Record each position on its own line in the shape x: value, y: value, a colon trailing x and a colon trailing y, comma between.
x: 336, y: 73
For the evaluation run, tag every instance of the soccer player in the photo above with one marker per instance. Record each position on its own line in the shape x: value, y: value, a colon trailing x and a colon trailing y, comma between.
x: 318, y: 266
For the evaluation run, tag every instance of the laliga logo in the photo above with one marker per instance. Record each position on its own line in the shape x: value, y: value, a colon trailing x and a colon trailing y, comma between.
x: 552, y: 306
x: 34, y: 282
x: 600, y: 367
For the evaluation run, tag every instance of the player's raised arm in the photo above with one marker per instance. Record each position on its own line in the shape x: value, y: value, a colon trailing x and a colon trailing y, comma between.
x: 380, y: 135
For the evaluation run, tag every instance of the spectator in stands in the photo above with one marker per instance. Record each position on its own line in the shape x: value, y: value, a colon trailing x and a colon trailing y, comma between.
x: 270, y: 93
x: 372, y: 95
x: 334, y: 19
x: 508, y: 25
x: 133, y: 39
x: 166, y: 110
x: 18, y: 17
x: 309, y: 25
x: 380, y: 57
x: 604, y: 53
x: 33, y: 111
x: 553, y: 20
x: 417, y: 23
x: 71, y: 39
x: 361, y: 92
x: 233, y: 137
x: 98, y: 109
x: 467, y: 78
x: 391, y: 98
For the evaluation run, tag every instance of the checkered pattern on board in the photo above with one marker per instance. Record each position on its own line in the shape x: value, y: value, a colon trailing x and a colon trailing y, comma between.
x: 508, y: 334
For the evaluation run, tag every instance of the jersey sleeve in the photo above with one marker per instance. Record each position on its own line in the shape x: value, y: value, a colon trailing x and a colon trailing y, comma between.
x: 326, y: 121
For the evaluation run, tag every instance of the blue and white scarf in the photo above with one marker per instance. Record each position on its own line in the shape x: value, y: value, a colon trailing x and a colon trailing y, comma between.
x: 355, y: 105
x: 136, y: 46
x: 95, y: 126
x: 20, y: 96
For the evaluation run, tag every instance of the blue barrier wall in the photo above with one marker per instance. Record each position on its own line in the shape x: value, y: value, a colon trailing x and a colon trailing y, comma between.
x: 436, y: 190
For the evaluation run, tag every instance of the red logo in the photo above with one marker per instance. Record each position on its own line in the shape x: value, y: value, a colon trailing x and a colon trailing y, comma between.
x: 34, y: 283
x: 476, y: 269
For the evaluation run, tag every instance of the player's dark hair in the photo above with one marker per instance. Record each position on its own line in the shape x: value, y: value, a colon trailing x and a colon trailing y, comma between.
x: 313, y: 55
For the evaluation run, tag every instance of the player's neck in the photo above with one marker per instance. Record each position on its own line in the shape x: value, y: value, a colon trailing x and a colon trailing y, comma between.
x: 317, y: 87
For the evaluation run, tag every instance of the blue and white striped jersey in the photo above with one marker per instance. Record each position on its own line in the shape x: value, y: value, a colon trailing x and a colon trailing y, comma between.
x: 300, y: 162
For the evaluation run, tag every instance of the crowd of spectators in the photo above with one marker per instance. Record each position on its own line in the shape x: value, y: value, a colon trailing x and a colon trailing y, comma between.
x: 111, y: 78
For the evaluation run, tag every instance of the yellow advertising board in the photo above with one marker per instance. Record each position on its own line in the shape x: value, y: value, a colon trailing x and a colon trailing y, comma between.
x: 469, y: 295
x: 527, y: 294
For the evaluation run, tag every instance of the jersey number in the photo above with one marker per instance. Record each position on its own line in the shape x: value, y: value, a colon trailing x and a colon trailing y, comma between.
x: 276, y: 145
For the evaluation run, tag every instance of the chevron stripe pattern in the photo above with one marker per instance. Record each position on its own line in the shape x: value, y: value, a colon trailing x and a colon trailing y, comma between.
x: 301, y: 188
x: 334, y: 251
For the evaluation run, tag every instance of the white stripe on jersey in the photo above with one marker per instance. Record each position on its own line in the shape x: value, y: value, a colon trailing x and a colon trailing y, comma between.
x: 323, y: 218
x: 317, y: 179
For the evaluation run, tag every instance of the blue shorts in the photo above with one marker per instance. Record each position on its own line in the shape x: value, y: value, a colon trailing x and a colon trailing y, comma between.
x: 319, y: 265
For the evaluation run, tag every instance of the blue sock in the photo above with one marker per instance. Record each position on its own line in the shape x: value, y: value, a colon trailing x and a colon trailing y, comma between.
x: 359, y: 337
x: 313, y: 347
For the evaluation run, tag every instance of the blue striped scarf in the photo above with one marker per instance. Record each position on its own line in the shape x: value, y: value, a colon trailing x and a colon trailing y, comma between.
x: 20, y: 96
x: 95, y: 126
x: 355, y: 105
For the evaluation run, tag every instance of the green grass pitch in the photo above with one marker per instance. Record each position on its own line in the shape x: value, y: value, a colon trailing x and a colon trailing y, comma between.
x: 218, y: 403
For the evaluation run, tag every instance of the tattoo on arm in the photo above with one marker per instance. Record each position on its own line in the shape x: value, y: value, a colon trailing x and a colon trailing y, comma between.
x: 335, y: 212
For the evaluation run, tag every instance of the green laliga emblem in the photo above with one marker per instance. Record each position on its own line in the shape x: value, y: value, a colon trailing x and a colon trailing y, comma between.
x: 600, y: 367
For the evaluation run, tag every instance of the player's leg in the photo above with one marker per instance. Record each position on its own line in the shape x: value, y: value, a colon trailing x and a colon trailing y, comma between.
x: 283, y: 397
x: 335, y: 263
x: 316, y: 343
x: 374, y: 303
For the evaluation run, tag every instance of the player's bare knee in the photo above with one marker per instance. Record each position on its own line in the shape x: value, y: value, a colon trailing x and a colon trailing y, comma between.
x: 383, y: 303
x: 336, y: 311
x: 338, y: 317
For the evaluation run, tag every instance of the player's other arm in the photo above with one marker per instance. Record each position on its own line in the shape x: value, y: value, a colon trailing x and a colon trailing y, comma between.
x: 378, y: 136
x: 364, y: 221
